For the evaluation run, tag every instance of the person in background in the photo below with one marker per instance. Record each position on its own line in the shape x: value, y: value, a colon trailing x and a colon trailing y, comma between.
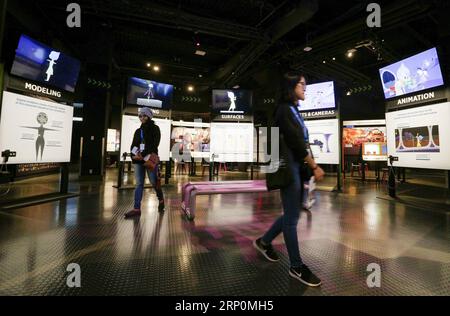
x: 290, y: 122
x: 145, y: 142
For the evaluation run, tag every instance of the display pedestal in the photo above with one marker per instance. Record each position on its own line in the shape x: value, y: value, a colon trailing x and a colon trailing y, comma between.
x: 45, y: 198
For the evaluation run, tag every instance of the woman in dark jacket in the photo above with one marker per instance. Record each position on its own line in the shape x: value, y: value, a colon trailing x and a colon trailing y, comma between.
x: 145, y: 142
x: 297, y: 153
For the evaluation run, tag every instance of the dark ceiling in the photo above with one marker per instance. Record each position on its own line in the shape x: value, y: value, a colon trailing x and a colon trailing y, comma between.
x: 245, y: 41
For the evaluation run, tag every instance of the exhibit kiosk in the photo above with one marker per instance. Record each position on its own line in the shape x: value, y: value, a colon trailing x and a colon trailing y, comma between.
x: 364, y: 143
x: 417, y: 114
x: 37, y: 115
x: 158, y: 97
x: 321, y: 114
x: 232, y: 128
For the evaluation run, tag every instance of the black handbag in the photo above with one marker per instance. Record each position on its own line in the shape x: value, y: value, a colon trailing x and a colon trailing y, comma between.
x: 282, y: 177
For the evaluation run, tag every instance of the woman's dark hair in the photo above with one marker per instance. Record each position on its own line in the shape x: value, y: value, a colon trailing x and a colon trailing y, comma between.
x: 288, y: 84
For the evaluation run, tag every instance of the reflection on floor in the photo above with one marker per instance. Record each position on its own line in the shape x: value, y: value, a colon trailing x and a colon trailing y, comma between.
x: 162, y: 254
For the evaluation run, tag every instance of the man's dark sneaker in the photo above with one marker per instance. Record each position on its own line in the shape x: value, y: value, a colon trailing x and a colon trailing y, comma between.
x: 161, y: 206
x: 133, y: 213
x: 304, y: 275
x: 267, y: 251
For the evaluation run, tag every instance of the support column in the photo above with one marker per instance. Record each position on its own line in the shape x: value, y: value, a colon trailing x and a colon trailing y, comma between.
x: 94, y: 123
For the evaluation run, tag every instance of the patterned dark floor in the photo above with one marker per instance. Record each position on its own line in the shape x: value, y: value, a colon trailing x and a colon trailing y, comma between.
x: 166, y: 255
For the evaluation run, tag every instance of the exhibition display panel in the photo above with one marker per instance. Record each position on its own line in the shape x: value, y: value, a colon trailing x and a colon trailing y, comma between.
x: 358, y: 135
x: 131, y: 123
x: 232, y: 142
x: 324, y: 140
x: 191, y: 137
x: 420, y: 137
x: 39, y: 131
x: 113, y: 141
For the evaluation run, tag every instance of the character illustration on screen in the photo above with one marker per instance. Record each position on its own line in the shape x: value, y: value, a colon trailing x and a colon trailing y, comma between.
x: 53, y: 58
x: 42, y: 119
x: 422, y: 73
x: 417, y: 139
x: 409, y: 79
x: 233, y: 99
x: 150, y: 94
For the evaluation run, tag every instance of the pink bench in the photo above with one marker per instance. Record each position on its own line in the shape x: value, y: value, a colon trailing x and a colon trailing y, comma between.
x: 192, y: 189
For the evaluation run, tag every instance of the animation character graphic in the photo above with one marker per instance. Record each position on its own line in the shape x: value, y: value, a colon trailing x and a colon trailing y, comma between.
x: 53, y: 58
x: 419, y: 138
x: 233, y: 99
x: 150, y: 94
x: 405, y: 82
x: 42, y: 119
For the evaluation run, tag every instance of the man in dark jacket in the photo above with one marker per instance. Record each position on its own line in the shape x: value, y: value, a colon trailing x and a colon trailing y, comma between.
x: 145, y: 142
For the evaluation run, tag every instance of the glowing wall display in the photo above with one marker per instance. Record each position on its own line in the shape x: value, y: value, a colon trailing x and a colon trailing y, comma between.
x: 374, y: 151
x: 324, y: 140
x: 195, y: 140
x: 420, y: 137
x: 318, y: 96
x: 149, y: 93
x: 131, y: 123
x: 413, y: 74
x: 113, y: 140
x: 39, y: 131
x: 232, y: 142
x: 38, y: 62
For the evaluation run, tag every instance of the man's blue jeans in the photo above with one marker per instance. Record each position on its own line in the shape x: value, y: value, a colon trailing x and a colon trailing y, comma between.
x: 291, y: 197
x: 139, y: 173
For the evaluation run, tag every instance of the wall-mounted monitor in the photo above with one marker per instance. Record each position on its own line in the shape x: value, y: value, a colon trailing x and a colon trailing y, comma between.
x: 38, y: 131
x: 374, y: 152
x: 318, y: 96
x: 233, y: 102
x: 420, y: 137
x: 143, y: 92
x: 48, y: 66
x: 413, y: 74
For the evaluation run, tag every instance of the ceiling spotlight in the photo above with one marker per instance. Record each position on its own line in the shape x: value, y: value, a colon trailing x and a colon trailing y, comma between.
x: 156, y: 68
x: 200, y: 52
x: 190, y: 88
x: 334, y: 58
x: 149, y: 65
x: 324, y: 62
x: 349, y: 93
x: 351, y: 52
x: 200, y: 76
x: 307, y: 49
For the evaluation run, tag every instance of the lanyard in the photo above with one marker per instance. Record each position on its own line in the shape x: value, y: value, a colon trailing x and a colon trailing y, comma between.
x: 142, y: 136
x: 302, y: 124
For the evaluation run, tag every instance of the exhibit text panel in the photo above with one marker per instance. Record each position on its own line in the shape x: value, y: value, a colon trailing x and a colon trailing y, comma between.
x: 420, y: 137
x: 39, y: 131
